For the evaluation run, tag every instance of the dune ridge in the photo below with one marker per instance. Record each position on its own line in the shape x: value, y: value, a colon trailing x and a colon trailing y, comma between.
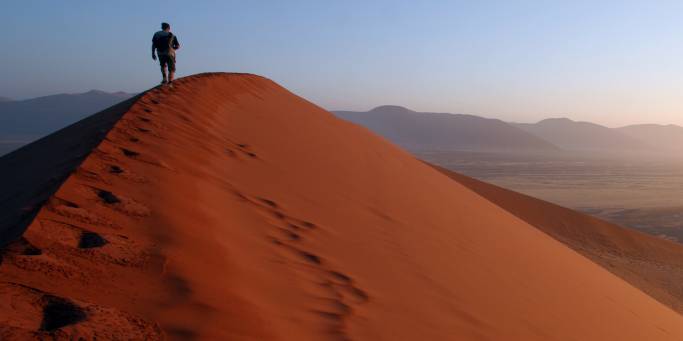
x: 229, y: 208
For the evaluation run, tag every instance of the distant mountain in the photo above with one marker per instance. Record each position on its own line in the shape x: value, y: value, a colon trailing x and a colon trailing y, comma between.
x: 43, y: 115
x: 572, y: 135
x: 663, y: 137
x: 5, y: 99
x: 26, y: 120
x: 420, y: 131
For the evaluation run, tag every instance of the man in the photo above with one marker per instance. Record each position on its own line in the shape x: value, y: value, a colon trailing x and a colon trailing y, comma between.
x: 165, y: 43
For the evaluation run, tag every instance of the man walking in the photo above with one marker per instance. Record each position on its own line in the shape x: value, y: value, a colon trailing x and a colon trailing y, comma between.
x: 165, y: 43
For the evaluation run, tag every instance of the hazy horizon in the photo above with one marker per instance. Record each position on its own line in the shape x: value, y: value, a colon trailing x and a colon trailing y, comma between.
x: 114, y: 92
x: 611, y: 63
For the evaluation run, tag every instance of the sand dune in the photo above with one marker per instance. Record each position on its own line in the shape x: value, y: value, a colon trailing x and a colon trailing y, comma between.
x: 228, y: 208
x: 652, y: 264
x: 31, y: 175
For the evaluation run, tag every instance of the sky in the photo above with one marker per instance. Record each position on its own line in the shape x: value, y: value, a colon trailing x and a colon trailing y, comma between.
x: 609, y: 62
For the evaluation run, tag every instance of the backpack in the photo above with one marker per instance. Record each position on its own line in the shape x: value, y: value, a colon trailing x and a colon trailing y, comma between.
x: 165, y: 43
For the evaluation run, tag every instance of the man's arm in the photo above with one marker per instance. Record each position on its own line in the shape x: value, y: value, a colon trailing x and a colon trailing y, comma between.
x: 176, y: 44
x: 154, y: 55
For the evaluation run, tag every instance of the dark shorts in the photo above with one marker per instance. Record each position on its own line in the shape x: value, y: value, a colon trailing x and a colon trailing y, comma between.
x: 167, y: 59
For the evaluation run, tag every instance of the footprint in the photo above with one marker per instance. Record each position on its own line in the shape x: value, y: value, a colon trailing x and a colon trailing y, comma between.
x: 240, y: 195
x: 298, y: 223
x: 309, y: 225
x: 335, y: 306
x: 250, y: 154
x: 108, y: 197
x: 359, y: 294
x: 91, y: 240
x: 340, y: 277
x: 244, y: 148
x: 129, y: 153
x: 114, y: 169
x: 179, y: 285
x: 268, y: 202
x: 336, y: 317
x: 291, y: 235
x: 59, y: 312
x: 310, y: 257
x: 144, y: 119
x: 147, y: 110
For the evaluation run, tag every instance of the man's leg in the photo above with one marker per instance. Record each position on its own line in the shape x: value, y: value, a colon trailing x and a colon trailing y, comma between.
x: 163, y: 74
x: 164, y: 63
x: 171, y: 68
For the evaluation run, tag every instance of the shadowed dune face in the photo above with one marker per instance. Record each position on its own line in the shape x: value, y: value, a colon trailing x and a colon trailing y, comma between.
x: 32, y: 174
x: 229, y: 208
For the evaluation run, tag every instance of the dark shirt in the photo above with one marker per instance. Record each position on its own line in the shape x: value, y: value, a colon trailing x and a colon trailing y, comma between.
x: 161, y: 43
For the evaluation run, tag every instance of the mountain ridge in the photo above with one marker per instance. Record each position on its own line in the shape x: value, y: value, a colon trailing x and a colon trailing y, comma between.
x: 578, y: 135
x: 414, y: 130
x: 409, y: 129
x: 71, y: 107
x: 667, y: 137
x: 23, y: 121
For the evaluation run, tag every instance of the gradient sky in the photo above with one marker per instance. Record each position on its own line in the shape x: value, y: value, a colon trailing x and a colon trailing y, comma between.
x: 610, y: 62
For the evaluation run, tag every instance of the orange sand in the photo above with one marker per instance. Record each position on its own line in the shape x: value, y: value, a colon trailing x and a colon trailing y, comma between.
x: 652, y: 264
x: 240, y: 211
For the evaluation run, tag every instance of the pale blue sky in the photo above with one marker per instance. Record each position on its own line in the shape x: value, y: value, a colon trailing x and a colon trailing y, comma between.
x: 611, y: 62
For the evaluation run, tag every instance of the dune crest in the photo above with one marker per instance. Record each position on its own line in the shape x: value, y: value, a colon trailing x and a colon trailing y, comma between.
x: 229, y: 208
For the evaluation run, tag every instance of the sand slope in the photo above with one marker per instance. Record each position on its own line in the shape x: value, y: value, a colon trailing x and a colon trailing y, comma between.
x: 31, y: 175
x: 652, y: 264
x: 228, y: 208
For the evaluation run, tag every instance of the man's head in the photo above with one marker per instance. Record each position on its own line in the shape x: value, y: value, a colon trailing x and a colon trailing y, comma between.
x: 165, y: 26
